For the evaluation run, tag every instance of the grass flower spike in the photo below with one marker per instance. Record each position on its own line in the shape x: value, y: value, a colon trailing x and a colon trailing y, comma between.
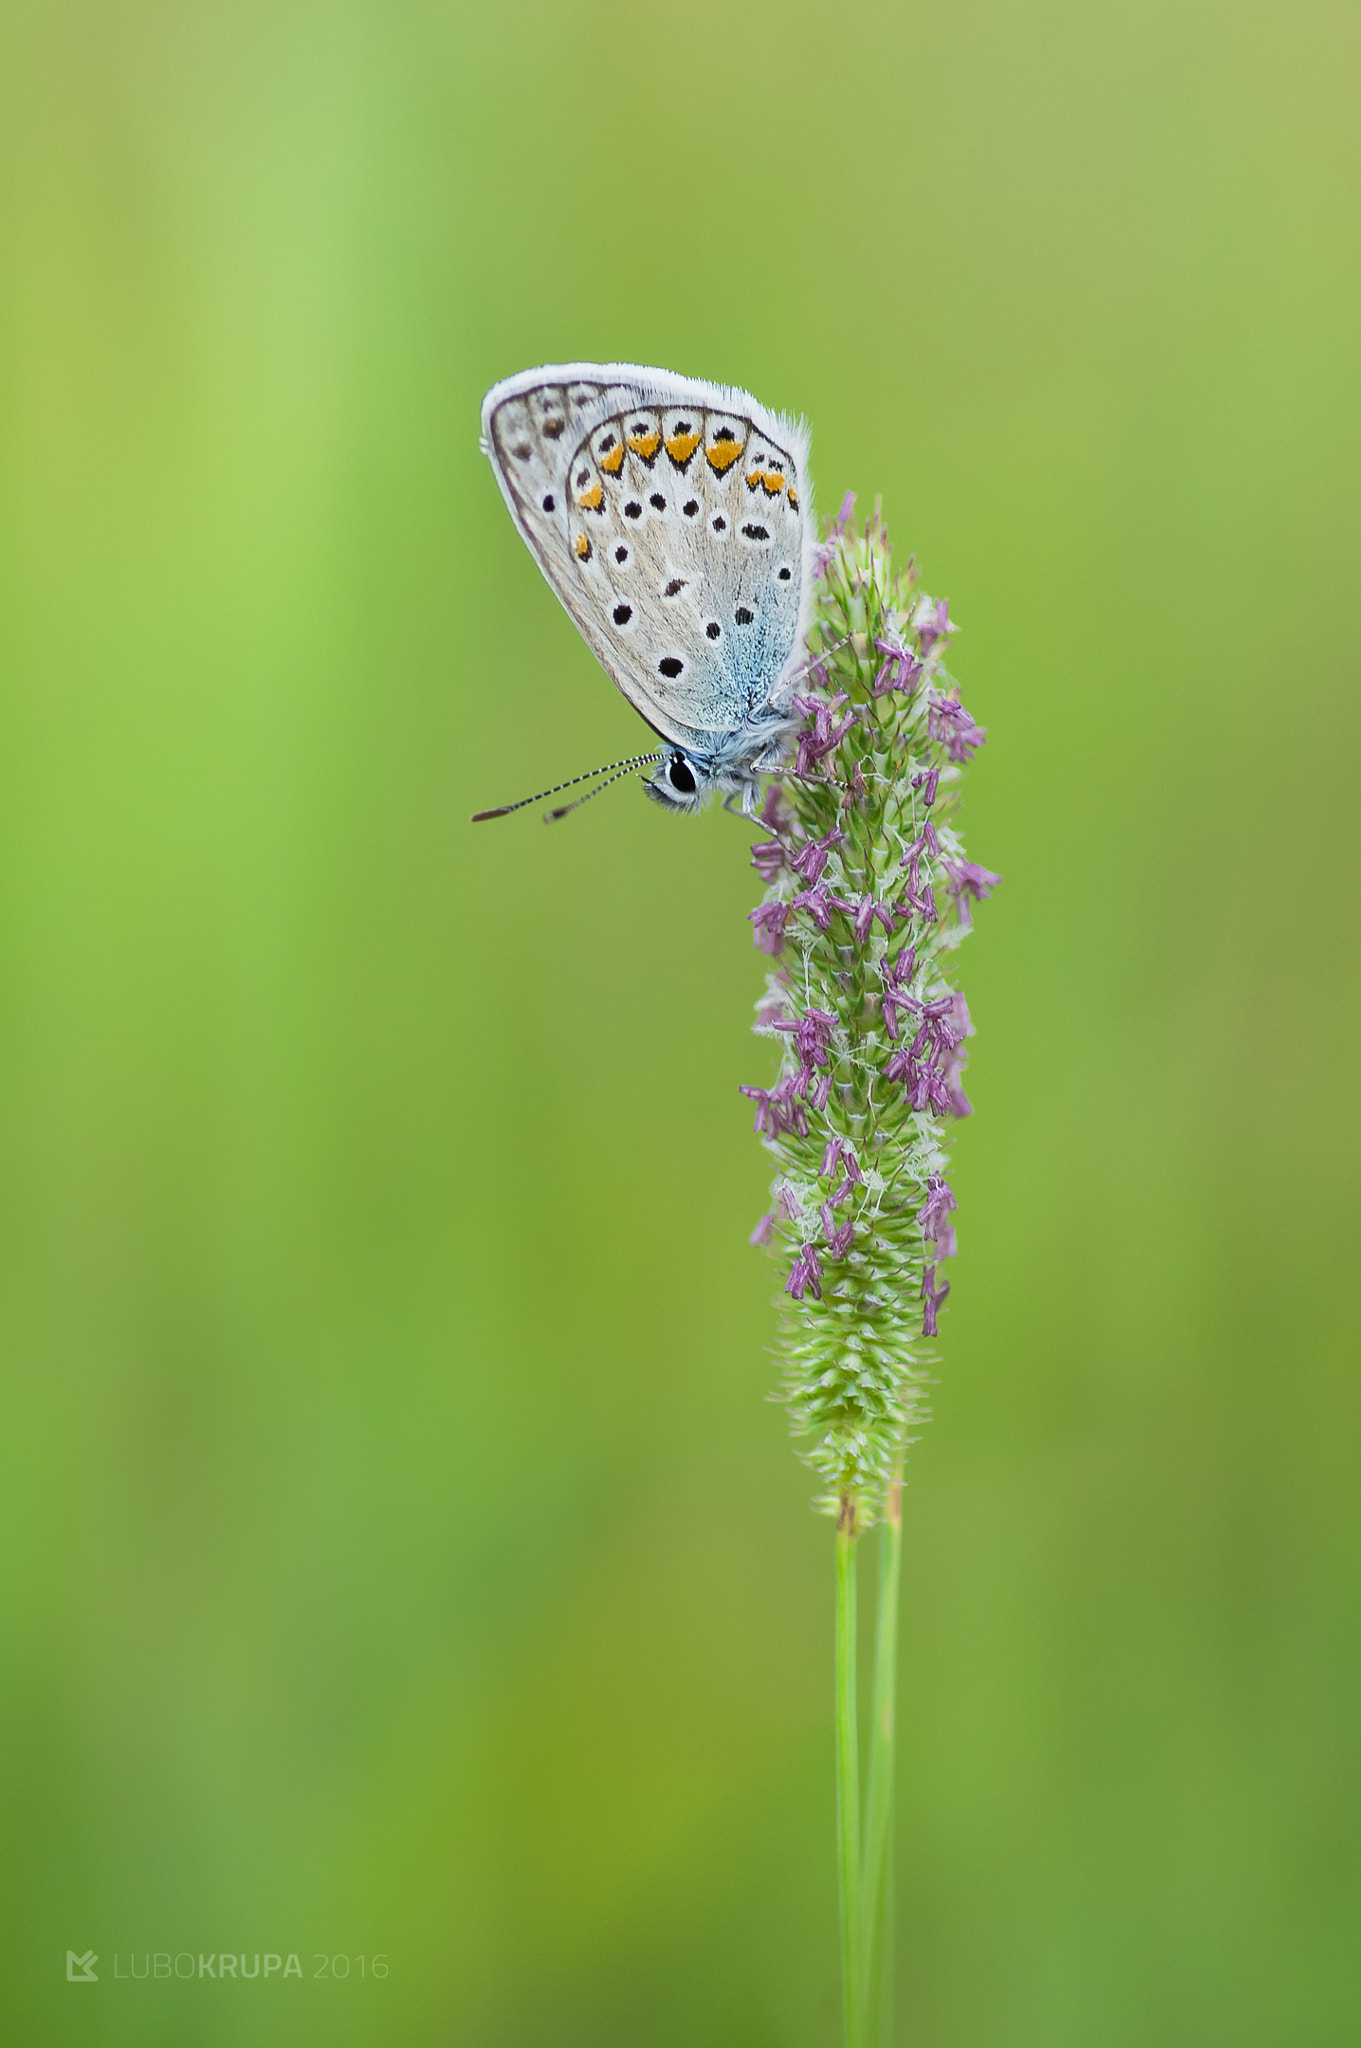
x: 868, y: 893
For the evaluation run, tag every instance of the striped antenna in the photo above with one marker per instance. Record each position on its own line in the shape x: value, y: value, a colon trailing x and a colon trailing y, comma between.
x: 613, y: 770
x: 577, y: 802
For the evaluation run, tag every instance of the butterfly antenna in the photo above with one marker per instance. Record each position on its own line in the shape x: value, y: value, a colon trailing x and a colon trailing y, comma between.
x: 613, y: 769
x: 549, y: 817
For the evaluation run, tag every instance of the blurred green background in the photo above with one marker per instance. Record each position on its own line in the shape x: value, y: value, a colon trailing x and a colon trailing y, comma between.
x: 400, y: 1554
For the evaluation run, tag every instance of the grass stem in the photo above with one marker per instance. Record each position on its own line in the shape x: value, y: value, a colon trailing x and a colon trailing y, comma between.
x: 876, y: 1943
x: 848, y: 1781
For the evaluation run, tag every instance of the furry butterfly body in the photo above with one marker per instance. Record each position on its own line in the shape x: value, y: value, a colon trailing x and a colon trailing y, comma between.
x: 673, y: 520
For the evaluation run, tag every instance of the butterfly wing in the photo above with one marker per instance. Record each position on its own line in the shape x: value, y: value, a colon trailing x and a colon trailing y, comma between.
x: 671, y: 518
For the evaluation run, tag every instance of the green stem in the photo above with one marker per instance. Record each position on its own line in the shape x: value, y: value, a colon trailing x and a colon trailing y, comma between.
x: 848, y: 1780
x: 879, y: 1803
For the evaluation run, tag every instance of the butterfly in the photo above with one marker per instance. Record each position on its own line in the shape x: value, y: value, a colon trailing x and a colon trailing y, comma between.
x: 673, y: 520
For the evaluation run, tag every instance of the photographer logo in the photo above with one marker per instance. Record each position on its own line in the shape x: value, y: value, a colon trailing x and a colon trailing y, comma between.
x: 161, y: 1966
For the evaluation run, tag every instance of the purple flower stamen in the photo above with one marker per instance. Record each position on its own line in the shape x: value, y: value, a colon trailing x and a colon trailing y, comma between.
x: 773, y: 814
x: 769, y: 920
x: 806, y: 1274
x: 925, y: 842
x: 953, y: 728
x: 897, y: 974
x: 900, y: 669
x: 812, y: 1034
x: 819, y: 904
x: 933, y: 1297
x: 814, y: 746
x: 968, y: 880
x: 840, y: 1241
x: 845, y: 515
x: 935, y: 1211
x: 812, y: 857
x: 934, y: 625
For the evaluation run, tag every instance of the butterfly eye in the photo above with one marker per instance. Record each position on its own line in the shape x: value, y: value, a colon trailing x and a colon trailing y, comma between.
x: 681, y: 776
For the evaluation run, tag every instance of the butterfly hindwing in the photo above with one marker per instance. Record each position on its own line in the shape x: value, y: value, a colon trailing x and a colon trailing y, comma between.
x: 671, y: 519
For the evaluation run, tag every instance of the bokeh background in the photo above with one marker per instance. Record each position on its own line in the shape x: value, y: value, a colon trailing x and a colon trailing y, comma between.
x: 401, y: 1557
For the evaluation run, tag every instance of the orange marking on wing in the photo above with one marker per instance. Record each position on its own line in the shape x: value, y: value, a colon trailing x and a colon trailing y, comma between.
x: 723, y: 455
x: 645, y: 445
x: 793, y: 497
x: 614, y: 461
x: 773, y: 482
x: 592, y: 500
x: 583, y: 548
x: 681, y: 447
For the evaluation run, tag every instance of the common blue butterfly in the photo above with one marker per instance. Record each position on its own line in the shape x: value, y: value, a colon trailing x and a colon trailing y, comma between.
x: 673, y: 519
